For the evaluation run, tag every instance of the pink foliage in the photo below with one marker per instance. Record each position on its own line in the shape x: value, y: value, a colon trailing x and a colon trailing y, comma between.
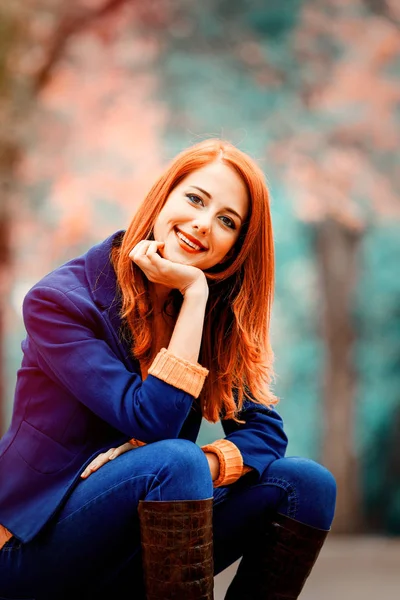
x: 96, y: 139
x: 335, y: 169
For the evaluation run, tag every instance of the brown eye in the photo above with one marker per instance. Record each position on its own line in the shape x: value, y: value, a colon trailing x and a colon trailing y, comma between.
x: 228, y: 222
x: 195, y: 199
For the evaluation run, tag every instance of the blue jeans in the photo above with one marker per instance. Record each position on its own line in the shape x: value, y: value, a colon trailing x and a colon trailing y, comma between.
x: 91, y: 548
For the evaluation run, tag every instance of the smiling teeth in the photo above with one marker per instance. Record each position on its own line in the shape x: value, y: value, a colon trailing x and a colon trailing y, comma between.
x: 188, y: 242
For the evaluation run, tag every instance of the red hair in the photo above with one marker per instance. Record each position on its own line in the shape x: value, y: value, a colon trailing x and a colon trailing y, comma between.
x: 235, y: 345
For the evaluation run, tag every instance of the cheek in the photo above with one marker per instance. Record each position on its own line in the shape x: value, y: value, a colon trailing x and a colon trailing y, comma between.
x: 228, y: 244
x: 159, y: 226
x: 156, y: 227
x: 165, y: 221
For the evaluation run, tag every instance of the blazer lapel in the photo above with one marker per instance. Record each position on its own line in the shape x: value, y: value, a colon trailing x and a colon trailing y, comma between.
x: 104, y: 289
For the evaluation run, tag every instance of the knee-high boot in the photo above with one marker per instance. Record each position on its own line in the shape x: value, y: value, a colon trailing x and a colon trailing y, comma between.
x: 276, y: 565
x: 177, y: 549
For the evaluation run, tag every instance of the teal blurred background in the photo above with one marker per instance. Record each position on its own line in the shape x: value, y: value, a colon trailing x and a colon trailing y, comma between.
x: 99, y: 96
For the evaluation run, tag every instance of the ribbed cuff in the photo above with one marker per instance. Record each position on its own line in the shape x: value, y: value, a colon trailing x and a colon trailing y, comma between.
x: 5, y: 535
x: 178, y: 372
x: 230, y: 461
x: 137, y: 443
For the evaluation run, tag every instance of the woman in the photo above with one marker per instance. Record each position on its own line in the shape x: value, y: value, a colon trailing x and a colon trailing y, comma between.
x: 127, y: 347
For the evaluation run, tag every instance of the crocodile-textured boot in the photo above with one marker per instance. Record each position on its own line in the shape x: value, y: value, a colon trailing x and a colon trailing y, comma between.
x: 177, y: 549
x: 278, y: 562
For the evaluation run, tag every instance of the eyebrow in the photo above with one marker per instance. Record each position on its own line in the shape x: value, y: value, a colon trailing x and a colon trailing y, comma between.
x: 226, y: 208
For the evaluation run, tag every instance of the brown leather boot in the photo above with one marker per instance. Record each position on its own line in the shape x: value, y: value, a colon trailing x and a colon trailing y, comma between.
x: 276, y: 565
x: 177, y: 549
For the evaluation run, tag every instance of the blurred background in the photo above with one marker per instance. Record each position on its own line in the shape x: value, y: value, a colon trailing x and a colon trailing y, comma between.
x: 98, y: 95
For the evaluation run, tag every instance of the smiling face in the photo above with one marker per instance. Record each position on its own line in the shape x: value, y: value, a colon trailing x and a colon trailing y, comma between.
x: 202, y: 217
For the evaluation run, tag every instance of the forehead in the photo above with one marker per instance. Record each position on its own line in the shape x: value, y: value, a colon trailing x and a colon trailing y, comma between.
x: 223, y: 183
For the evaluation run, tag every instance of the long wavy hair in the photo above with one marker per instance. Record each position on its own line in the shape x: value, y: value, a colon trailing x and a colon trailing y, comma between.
x: 235, y: 344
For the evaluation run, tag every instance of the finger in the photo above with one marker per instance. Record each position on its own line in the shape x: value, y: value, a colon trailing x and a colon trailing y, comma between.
x: 121, y: 450
x: 139, y: 254
x: 154, y: 257
x: 85, y: 473
x: 96, y: 463
x: 139, y: 249
x: 102, y: 459
x: 154, y: 247
x: 142, y: 246
x: 91, y: 468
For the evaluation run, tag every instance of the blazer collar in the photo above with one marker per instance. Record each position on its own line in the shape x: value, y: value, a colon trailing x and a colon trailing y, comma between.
x: 100, y: 272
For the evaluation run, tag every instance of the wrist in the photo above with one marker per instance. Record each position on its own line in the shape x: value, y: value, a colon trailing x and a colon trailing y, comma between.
x: 198, y: 289
x: 213, y: 463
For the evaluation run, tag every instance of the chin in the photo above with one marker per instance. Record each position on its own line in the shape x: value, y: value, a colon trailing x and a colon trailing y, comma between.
x: 183, y: 260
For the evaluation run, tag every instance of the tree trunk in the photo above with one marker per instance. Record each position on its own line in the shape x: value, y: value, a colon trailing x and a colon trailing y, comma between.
x: 337, y: 261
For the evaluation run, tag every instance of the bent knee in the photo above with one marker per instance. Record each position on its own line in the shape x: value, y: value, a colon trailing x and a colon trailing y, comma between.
x: 185, y: 472
x: 184, y: 457
x: 313, y: 473
x: 309, y: 477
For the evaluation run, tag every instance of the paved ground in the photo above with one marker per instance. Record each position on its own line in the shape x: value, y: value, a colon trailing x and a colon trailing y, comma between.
x: 362, y: 568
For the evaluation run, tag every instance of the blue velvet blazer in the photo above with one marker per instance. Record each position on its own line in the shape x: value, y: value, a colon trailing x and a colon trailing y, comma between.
x: 79, y: 392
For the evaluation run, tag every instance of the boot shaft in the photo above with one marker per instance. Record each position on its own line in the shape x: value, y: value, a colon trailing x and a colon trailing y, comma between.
x: 177, y: 549
x: 278, y: 563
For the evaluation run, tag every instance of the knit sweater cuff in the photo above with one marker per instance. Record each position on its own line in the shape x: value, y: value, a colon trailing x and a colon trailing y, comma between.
x: 179, y: 372
x: 136, y: 443
x: 5, y: 535
x: 230, y: 461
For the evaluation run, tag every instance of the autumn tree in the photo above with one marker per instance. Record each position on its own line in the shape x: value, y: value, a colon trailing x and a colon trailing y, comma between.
x: 342, y: 171
x: 34, y: 38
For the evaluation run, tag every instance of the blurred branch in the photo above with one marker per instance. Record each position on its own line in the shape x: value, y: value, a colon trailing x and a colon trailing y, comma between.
x: 71, y: 25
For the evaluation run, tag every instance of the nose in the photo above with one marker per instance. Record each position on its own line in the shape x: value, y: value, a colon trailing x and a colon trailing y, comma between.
x: 202, y: 225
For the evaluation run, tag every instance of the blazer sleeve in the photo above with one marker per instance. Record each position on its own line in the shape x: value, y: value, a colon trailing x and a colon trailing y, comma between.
x: 63, y: 330
x: 260, y: 439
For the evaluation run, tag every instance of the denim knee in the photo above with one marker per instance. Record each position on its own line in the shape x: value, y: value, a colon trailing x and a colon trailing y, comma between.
x: 185, y: 473
x: 310, y: 489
